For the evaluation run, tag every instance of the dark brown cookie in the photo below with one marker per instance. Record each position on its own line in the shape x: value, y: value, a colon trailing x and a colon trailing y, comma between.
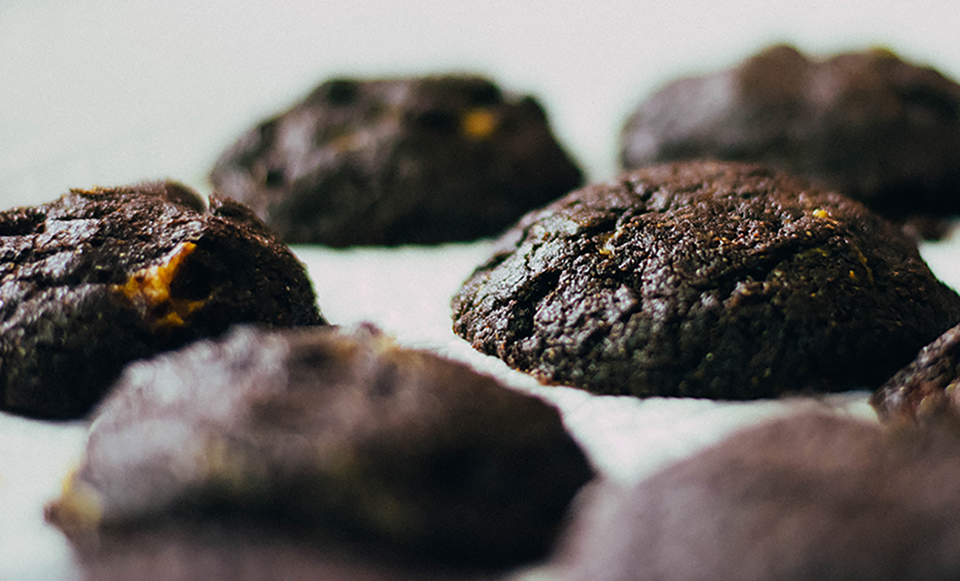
x: 398, y: 161
x: 867, y: 124
x: 99, y: 278
x: 236, y: 549
x: 705, y: 279
x: 812, y: 496
x: 326, y: 430
x: 925, y: 388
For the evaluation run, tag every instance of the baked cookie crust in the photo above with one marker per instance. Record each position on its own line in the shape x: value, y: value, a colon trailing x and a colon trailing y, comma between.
x: 101, y: 277
x: 419, y: 160
x: 704, y: 279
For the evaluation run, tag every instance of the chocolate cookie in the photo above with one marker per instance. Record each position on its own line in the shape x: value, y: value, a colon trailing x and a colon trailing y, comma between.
x: 102, y: 277
x: 236, y: 549
x: 704, y: 279
x: 322, y: 429
x: 925, y: 388
x: 868, y: 125
x: 812, y: 496
x: 398, y: 161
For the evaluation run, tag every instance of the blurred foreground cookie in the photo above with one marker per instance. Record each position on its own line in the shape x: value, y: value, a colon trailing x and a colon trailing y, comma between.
x: 867, y: 124
x: 241, y: 549
x: 704, y: 279
x: 812, y: 496
x: 927, y: 387
x: 324, y: 431
x: 421, y: 160
x: 102, y: 277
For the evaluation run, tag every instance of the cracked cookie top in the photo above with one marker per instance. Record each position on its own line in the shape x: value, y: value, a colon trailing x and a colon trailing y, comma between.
x: 704, y: 279
x: 413, y: 160
x: 101, y: 277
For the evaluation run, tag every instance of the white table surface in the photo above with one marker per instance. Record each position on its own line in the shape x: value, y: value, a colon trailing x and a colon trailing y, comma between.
x: 111, y: 92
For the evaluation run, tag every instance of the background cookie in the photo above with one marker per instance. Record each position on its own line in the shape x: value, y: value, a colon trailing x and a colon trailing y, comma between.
x: 400, y: 161
x: 332, y: 431
x: 866, y: 124
x: 101, y: 277
x: 704, y: 279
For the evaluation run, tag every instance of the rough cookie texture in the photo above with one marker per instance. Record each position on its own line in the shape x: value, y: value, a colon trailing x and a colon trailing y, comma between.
x: 102, y: 277
x: 324, y: 429
x: 704, y: 279
x: 925, y: 388
x: 813, y: 496
x: 867, y: 124
x: 398, y: 161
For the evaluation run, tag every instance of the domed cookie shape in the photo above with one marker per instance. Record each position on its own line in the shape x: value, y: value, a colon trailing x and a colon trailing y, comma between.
x: 418, y: 160
x: 866, y: 124
x: 704, y: 279
x: 101, y: 277
x: 325, y: 429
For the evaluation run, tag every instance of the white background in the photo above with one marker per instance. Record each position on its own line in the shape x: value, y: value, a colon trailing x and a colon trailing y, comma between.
x: 105, y: 93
